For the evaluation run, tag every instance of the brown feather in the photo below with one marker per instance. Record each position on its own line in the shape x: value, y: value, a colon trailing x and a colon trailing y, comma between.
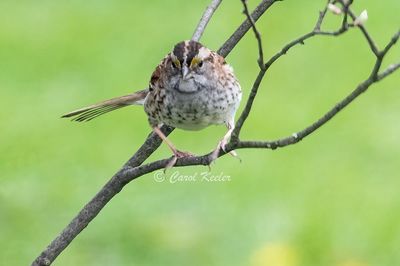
x: 90, y: 112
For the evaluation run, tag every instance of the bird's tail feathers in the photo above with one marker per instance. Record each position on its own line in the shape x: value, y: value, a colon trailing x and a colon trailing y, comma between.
x: 90, y: 112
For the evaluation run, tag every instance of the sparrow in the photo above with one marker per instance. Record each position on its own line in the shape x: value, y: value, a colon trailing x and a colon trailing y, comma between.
x: 191, y: 89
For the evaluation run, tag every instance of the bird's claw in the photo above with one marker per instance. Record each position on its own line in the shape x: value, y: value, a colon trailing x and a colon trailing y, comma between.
x: 182, y: 154
x: 222, y: 145
x: 177, y: 155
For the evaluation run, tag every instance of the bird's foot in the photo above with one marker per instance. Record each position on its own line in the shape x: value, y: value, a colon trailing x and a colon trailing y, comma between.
x: 177, y: 155
x: 183, y: 154
x: 222, y: 146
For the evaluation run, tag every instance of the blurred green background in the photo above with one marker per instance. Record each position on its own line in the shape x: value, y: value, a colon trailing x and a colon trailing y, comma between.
x: 332, y: 199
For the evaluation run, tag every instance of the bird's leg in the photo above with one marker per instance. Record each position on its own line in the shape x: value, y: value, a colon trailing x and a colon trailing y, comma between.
x: 177, y: 153
x: 222, y: 143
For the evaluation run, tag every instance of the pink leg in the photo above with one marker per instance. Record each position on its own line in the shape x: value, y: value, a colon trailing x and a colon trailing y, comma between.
x: 221, y: 145
x: 177, y: 153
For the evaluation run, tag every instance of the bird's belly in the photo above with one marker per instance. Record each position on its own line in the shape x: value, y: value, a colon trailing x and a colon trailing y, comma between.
x: 200, y: 122
x: 197, y: 113
x: 192, y: 118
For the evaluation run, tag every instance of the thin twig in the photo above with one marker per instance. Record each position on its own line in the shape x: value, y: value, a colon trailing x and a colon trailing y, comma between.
x: 256, y: 33
x: 389, y: 70
x: 345, y: 10
x: 371, y: 42
x: 392, y: 42
x: 346, y: 6
x: 244, y: 27
x: 205, y: 19
x: 321, y: 17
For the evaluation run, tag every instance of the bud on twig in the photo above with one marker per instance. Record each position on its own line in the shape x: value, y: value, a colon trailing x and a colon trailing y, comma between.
x: 334, y: 9
x: 361, y: 19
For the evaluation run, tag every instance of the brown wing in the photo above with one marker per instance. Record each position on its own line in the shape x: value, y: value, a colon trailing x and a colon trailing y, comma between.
x: 157, y: 78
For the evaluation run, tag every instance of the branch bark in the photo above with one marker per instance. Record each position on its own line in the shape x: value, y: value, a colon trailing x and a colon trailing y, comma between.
x: 133, y: 168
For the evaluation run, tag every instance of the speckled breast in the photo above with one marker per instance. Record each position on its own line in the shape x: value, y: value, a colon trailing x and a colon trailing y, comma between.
x: 192, y: 111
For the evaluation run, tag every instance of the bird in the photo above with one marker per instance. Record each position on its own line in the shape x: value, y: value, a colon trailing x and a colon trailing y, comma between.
x: 192, y: 88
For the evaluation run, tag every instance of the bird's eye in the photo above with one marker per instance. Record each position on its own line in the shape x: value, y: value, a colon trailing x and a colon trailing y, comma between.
x: 176, y: 63
x: 196, y: 62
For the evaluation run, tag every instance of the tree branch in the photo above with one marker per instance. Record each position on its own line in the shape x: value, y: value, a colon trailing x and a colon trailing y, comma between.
x: 283, y: 51
x: 298, y: 136
x: 205, y: 19
x: 245, y: 27
x: 392, y: 68
x: 361, y: 88
x: 389, y: 46
x: 374, y: 77
x: 127, y: 173
x: 371, y: 42
x: 256, y: 33
x: 133, y: 168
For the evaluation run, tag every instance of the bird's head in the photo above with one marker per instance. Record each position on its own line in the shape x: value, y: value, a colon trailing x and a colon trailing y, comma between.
x: 190, y: 62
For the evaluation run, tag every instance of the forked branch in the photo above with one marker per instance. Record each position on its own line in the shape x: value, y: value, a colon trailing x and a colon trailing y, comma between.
x: 133, y: 168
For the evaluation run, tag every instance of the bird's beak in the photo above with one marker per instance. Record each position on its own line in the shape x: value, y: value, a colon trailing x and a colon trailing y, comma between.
x: 185, y: 72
